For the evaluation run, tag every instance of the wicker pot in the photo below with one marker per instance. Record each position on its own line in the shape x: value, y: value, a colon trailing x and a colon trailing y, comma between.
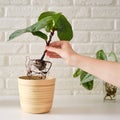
x: 36, y: 95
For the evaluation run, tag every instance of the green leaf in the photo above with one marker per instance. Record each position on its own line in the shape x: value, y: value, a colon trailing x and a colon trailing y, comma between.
x: 49, y: 20
x: 56, y: 18
x: 87, y: 80
x: 40, y: 34
x: 39, y: 25
x: 60, y: 24
x: 112, y: 57
x: 32, y: 29
x: 77, y: 73
x: 17, y: 33
x: 49, y: 26
x: 101, y: 55
x: 63, y: 27
x: 88, y: 85
x: 46, y: 14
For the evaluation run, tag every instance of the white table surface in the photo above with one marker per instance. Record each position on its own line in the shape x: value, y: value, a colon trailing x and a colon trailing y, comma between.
x: 64, y: 108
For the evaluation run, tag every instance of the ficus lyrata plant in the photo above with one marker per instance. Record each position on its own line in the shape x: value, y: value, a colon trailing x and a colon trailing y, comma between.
x: 51, y: 22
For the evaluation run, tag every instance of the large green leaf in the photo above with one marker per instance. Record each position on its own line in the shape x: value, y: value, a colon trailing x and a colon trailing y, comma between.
x: 46, y: 14
x: 56, y: 18
x: 40, y: 34
x: 101, y: 55
x: 33, y: 28
x: 50, y: 24
x: 60, y: 24
x: 63, y: 27
x: 39, y: 25
x: 17, y: 33
x: 87, y: 80
x: 49, y: 20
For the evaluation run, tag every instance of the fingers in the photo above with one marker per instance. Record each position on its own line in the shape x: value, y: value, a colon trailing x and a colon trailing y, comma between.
x: 56, y: 49
x: 52, y: 55
x: 53, y: 52
x: 56, y: 44
x: 53, y: 49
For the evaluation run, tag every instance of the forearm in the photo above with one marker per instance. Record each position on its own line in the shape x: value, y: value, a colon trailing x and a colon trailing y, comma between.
x: 107, y: 71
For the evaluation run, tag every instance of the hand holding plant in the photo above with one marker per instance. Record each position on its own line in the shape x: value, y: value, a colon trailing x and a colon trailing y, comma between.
x: 51, y: 22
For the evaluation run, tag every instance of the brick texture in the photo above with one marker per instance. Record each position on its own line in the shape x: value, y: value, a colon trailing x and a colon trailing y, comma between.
x: 40, y: 2
x: 11, y: 48
x: 96, y: 25
x: 105, y: 37
x: 91, y: 48
x: 12, y: 23
x: 118, y: 2
x: 77, y: 12
x: 110, y: 12
x: 1, y: 84
x: 61, y: 3
x: 93, y: 2
x: 14, y: 2
x: 116, y: 48
x: 81, y: 37
x: 93, y: 24
x: 118, y: 24
x: 1, y: 12
x: 24, y: 11
x: 2, y: 36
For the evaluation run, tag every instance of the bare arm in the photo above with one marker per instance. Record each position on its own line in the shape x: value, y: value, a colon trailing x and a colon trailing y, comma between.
x: 105, y: 70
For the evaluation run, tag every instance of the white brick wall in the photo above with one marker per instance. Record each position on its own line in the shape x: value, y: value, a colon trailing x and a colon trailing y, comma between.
x: 24, y: 11
x: 11, y: 23
x: 14, y: 2
x: 82, y: 35
x: 96, y: 25
x: 2, y: 36
x: 92, y: 24
x: 106, y: 12
x: 118, y: 24
x: 2, y: 84
x: 116, y: 48
x: 1, y: 12
x: 77, y: 12
x: 3, y: 60
x: 118, y: 2
x: 91, y: 48
x: 11, y: 48
x: 94, y: 2
x: 105, y: 37
x: 40, y: 2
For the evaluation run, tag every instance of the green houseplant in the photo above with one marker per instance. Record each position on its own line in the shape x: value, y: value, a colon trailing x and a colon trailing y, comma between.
x: 36, y: 90
x: 87, y: 80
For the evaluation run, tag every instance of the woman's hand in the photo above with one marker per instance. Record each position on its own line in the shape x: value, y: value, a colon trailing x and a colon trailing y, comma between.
x: 61, y: 49
x: 105, y: 70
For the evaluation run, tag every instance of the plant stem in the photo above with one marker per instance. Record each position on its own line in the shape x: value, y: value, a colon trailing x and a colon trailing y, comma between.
x: 47, y: 43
